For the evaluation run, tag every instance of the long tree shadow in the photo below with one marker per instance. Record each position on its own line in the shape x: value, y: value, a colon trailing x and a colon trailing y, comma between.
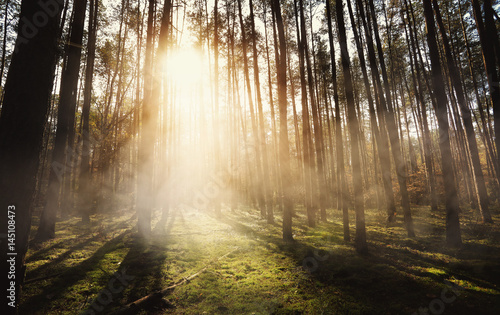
x: 53, y: 263
x: 145, y: 263
x: 380, y: 284
x: 70, y: 276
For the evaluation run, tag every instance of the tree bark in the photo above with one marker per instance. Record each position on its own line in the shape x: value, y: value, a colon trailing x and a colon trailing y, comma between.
x: 85, y: 194
x: 262, y: 134
x: 308, y: 162
x: 258, y: 155
x: 342, y: 186
x: 144, y: 201
x: 284, y: 146
x: 22, y: 121
x: 453, y: 234
x: 65, y: 124
x: 360, y: 241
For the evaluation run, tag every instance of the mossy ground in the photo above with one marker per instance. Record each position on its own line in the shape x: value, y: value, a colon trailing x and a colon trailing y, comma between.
x: 317, y: 274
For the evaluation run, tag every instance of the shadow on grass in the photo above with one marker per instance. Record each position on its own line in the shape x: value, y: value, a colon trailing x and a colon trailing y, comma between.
x: 69, y: 277
x: 52, y: 264
x: 389, y: 280
x: 145, y: 263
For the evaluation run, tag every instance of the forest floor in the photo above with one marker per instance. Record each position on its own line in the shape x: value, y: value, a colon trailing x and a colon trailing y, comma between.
x: 100, y: 269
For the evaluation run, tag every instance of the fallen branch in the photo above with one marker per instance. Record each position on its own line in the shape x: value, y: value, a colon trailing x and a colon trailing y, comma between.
x: 156, y: 297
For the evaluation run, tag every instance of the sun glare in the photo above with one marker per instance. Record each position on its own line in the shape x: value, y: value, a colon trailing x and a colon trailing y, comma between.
x: 184, y: 66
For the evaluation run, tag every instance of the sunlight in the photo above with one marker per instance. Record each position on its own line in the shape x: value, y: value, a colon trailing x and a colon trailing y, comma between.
x: 184, y: 66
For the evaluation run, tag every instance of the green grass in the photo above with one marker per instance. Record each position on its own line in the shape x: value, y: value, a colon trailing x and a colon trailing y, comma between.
x: 318, y: 274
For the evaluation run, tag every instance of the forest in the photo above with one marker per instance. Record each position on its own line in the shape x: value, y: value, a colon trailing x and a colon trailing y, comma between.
x: 250, y: 156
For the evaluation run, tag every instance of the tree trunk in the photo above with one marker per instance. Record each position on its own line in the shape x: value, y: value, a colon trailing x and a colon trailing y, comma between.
x: 319, y: 178
x: 144, y: 201
x: 262, y: 135
x: 85, y: 194
x: 380, y: 138
x: 308, y: 165
x: 360, y: 241
x: 467, y: 121
x: 284, y: 146
x: 453, y: 235
x: 260, y: 189
x: 22, y: 121
x: 390, y: 120
x: 65, y: 123
x: 341, y: 184
x: 489, y: 44
x: 418, y: 90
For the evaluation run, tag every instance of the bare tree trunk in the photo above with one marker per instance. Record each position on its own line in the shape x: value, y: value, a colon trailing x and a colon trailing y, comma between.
x: 284, y: 146
x: 216, y: 100
x: 360, y: 241
x: 270, y: 214
x: 487, y: 136
x: 380, y: 138
x: 308, y: 165
x: 262, y: 142
x: 390, y: 120
x: 467, y: 121
x: 489, y: 44
x: 65, y: 124
x: 22, y: 121
x: 453, y: 235
x: 418, y: 90
x: 341, y: 184
x: 319, y: 177
x: 260, y: 189
x: 144, y: 201
x: 85, y: 194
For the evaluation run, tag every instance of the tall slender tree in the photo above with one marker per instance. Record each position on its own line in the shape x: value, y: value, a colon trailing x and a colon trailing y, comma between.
x: 454, y: 75
x: 84, y: 191
x: 65, y: 123
x: 22, y: 122
x: 342, y: 185
x: 284, y: 146
x: 144, y: 201
x: 453, y: 235
x: 353, y: 124
x: 488, y: 37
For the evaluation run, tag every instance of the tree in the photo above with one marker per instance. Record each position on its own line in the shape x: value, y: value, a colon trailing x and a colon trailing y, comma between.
x: 85, y: 175
x: 258, y: 154
x: 388, y: 116
x: 453, y: 235
x: 65, y: 123
x: 342, y: 186
x: 488, y: 37
x: 22, y: 121
x: 144, y: 201
x: 284, y: 147
x: 353, y: 124
x: 309, y: 165
x: 466, y: 118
